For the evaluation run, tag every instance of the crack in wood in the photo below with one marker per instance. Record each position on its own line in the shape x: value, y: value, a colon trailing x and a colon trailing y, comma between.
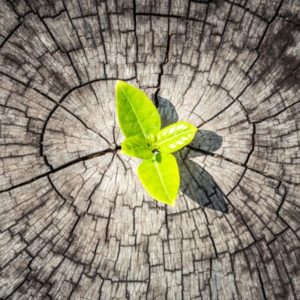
x: 75, y: 221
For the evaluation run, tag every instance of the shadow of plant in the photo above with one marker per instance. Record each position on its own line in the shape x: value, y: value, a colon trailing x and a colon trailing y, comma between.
x: 195, y: 183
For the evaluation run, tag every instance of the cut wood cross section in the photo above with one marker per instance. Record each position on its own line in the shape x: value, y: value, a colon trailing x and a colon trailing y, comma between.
x: 75, y: 222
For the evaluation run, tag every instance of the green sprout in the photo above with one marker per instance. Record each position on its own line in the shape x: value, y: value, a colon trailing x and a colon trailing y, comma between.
x: 140, y: 123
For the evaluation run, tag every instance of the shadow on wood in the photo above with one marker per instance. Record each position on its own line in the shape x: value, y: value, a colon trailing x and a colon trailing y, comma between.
x: 167, y: 112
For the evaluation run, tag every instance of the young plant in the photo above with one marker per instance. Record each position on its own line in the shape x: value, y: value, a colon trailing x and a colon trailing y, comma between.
x: 140, y: 123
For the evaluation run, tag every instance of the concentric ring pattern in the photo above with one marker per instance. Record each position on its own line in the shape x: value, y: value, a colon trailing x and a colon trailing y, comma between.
x: 75, y: 222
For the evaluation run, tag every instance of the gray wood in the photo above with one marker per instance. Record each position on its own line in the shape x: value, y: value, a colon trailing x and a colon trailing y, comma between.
x: 75, y: 222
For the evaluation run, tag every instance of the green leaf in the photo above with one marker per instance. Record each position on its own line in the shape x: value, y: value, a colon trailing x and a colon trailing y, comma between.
x: 136, y: 113
x: 175, y: 137
x: 137, y: 146
x: 160, y: 177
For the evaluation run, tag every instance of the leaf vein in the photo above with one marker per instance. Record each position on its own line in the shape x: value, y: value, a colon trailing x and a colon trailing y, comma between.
x: 162, y: 182
x: 174, y: 137
x: 133, y: 111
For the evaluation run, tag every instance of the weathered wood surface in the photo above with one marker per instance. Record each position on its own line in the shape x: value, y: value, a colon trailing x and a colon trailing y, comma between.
x: 75, y: 222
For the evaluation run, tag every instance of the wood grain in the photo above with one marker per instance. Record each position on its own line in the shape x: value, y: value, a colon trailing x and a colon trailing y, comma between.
x: 75, y: 222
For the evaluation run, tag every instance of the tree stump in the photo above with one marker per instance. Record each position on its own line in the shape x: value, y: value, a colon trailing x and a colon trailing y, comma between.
x: 75, y: 221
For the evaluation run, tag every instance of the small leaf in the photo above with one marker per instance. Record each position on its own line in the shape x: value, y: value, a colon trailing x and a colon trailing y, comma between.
x: 160, y: 177
x: 136, y: 113
x: 175, y: 137
x: 137, y: 146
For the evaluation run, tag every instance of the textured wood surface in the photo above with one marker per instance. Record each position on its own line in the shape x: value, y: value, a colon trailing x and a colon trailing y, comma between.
x: 75, y: 222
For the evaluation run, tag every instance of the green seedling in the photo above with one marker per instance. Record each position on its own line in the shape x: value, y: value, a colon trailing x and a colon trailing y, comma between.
x: 140, y: 123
